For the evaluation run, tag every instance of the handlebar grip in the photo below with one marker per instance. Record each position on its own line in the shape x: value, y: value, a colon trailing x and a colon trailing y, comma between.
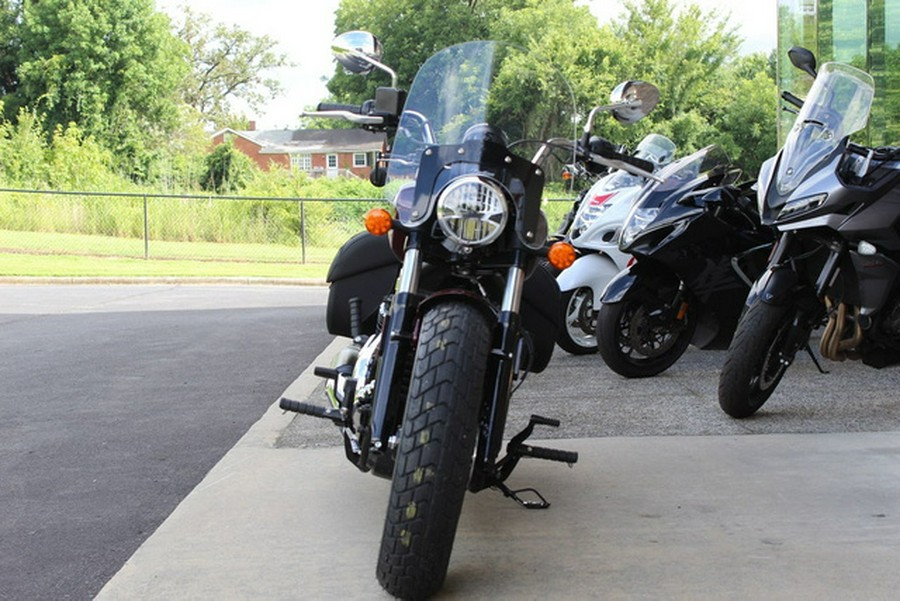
x: 350, y: 108
x: 788, y: 97
x: 549, y: 454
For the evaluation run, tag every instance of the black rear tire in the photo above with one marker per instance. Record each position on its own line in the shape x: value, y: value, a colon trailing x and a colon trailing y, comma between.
x: 635, y: 344
x: 578, y: 322
x: 756, y: 360
x: 434, y: 457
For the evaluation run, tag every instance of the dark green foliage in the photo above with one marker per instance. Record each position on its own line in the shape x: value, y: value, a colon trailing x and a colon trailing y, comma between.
x: 227, y: 170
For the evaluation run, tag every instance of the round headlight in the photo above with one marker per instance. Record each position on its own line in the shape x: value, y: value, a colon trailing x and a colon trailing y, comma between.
x: 472, y: 211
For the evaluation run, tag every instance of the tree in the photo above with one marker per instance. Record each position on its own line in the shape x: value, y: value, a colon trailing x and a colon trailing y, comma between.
x: 111, y: 66
x: 411, y: 31
x: 227, y: 170
x: 227, y: 63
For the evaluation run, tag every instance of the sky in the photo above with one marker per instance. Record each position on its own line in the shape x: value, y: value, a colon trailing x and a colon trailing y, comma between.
x: 304, y: 31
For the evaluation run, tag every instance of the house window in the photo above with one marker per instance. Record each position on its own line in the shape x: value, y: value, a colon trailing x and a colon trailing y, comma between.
x: 332, y: 161
x: 303, y: 162
x: 360, y: 159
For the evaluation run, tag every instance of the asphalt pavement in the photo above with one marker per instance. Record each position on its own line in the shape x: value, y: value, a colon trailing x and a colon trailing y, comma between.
x: 116, y: 401
x: 670, y: 499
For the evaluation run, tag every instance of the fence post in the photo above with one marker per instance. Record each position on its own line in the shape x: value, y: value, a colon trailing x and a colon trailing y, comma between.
x: 302, y: 233
x: 146, y: 231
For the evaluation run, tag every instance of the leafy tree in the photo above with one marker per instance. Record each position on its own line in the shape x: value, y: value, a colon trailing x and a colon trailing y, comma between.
x: 411, y: 30
x: 227, y: 170
x: 111, y: 66
x: 227, y: 63
x: 9, y: 20
x: 22, y: 148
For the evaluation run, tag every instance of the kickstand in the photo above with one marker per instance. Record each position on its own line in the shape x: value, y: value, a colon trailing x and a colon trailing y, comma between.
x: 542, y: 503
x: 812, y: 356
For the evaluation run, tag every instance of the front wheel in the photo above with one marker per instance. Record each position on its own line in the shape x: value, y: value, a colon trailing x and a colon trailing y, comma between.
x: 579, y: 322
x: 434, y: 456
x: 643, y: 336
x: 756, y: 360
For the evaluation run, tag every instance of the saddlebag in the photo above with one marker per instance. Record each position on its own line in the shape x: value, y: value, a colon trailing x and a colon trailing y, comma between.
x: 365, y: 267
x: 540, y: 315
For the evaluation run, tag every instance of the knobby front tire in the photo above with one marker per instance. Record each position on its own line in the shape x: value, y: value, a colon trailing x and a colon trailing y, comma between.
x: 434, y: 457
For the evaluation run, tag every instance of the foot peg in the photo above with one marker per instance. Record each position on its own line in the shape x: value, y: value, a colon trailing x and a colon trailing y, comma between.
x: 516, y: 449
x: 516, y: 446
x: 335, y: 415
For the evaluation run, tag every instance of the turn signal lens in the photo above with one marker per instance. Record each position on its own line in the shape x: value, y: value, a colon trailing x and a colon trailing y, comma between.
x: 561, y: 255
x: 378, y: 222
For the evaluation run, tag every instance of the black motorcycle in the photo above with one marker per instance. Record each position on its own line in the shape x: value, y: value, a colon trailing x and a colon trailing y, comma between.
x: 698, y: 245
x: 836, y: 206
x: 445, y: 299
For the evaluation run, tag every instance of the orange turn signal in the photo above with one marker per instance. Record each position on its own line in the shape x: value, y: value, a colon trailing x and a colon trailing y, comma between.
x: 561, y: 255
x: 378, y: 222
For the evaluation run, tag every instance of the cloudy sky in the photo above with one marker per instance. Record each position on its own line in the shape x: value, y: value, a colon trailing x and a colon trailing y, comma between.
x: 304, y: 31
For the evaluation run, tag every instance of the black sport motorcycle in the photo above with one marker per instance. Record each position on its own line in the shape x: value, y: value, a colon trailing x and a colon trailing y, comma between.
x: 836, y: 206
x: 697, y: 244
x: 445, y: 299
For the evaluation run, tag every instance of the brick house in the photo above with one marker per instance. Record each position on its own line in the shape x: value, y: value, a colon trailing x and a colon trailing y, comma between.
x: 319, y: 152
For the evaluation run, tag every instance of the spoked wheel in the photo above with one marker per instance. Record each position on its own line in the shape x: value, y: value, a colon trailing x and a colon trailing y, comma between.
x: 434, y: 456
x: 577, y: 336
x: 638, y: 340
x: 756, y: 360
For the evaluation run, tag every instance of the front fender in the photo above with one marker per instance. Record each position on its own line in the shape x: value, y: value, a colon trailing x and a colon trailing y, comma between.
x: 649, y: 272
x: 776, y: 286
x: 617, y: 289
x: 593, y: 271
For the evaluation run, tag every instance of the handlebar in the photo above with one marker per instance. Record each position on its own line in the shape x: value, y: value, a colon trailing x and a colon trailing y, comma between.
x: 788, y: 97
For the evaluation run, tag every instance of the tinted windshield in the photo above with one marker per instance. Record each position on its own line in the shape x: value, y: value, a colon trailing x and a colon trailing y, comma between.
x: 483, y: 89
x: 837, y: 105
x: 682, y: 175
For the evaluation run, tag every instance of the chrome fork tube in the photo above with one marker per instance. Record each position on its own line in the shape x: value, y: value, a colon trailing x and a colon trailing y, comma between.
x: 410, y: 272
x: 512, y: 293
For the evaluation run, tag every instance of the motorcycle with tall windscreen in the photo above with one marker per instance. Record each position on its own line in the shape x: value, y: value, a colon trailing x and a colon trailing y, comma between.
x: 836, y: 206
x: 445, y: 298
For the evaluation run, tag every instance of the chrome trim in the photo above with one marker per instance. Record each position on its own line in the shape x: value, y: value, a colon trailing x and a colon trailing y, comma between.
x: 512, y: 294
x: 409, y: 273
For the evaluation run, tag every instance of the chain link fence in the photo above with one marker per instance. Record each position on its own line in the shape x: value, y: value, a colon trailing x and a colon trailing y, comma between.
x: 255, y: 236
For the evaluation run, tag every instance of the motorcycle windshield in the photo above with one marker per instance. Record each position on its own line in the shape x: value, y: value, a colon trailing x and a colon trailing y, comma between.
x: 476, y: 90
x: 682, y: 176
x: 837, y: 106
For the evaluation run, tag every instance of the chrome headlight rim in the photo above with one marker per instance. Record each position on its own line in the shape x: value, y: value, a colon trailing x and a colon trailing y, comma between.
x: 458, y: 209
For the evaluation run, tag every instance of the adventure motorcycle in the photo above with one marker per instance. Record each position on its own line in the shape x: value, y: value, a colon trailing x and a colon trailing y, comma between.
x: 445, y: 299
x: 698, y: 245
x: 595, y: 233
x: 836, y: 207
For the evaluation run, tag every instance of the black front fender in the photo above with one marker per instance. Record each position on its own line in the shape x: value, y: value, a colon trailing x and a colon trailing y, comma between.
x: 777, y: 286
x: 624, y: 285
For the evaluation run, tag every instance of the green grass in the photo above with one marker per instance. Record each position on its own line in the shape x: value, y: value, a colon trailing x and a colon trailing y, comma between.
x: 28, y: 265
x: 41, y: 254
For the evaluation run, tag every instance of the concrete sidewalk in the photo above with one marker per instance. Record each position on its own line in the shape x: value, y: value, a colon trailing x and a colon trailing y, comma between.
x: 773, y: 516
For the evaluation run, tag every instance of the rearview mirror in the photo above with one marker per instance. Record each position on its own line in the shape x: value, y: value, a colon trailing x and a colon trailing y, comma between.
x: 358, y: 52
x: 803, y: 59
x: 634, y: 100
